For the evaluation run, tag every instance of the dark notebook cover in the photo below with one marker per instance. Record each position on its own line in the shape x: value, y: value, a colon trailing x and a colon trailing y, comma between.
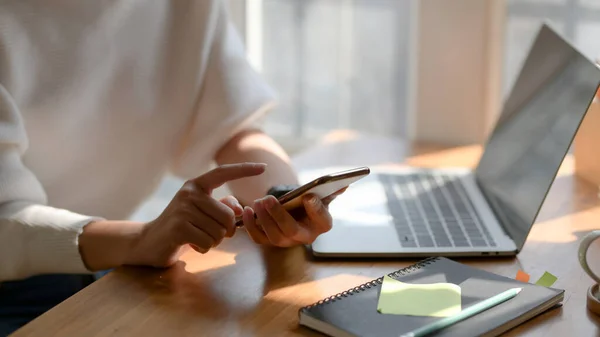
x: 355, y: 311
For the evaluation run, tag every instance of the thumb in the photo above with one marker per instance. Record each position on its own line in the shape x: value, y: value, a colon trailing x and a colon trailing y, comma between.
x: 231, y: 202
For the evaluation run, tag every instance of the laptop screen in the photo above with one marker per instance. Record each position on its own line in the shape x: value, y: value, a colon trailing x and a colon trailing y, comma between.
x: 534, y: 131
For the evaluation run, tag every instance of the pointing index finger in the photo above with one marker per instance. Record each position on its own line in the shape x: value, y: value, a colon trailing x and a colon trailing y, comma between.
x: 224, y: 173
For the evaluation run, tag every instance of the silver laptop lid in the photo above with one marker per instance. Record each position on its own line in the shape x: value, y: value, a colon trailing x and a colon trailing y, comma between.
x: 534, y: 132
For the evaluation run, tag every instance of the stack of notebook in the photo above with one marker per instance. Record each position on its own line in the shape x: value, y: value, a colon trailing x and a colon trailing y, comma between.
x: 354, y: 312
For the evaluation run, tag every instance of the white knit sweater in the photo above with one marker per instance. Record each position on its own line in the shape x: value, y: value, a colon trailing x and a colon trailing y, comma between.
x: 98, y: 100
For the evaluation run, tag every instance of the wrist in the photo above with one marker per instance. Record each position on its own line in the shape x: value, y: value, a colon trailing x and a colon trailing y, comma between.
x: 107, y: 244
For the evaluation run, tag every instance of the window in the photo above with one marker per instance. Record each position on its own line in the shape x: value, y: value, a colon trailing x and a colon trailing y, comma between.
x: 578, y: 20
x: 346, y: 63
x: 335, y: 64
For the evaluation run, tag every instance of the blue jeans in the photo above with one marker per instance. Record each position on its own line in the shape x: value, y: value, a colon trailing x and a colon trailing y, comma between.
x: 23, y: 300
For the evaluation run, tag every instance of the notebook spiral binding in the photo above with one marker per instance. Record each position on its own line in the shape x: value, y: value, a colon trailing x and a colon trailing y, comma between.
x: 371, y: 284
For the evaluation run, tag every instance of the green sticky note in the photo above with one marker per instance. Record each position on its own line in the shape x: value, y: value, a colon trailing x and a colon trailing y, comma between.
x: 436, y: 300
x: 547, y: 280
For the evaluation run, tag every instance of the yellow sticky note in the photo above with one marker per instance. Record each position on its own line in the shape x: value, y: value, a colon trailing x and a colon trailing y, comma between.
x: 436, y: 300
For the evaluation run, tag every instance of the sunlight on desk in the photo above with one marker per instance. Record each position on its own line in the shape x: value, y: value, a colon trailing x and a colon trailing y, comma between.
x: 198, y: 262
x: 555, y: 230
x: 312, y: 291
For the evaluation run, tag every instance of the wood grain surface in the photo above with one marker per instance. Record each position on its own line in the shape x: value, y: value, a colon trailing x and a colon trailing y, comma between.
x: 241, y: 289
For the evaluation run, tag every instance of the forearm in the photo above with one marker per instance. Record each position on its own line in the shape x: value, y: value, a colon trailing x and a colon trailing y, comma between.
x: 255, y: 146
x: 107, y: 244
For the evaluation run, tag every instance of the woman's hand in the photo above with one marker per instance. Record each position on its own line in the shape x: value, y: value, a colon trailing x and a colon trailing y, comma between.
x: 193, y: 218
x: 276, y: 226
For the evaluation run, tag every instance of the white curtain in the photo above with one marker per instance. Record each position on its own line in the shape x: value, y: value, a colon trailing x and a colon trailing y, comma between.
x: 336, y: 64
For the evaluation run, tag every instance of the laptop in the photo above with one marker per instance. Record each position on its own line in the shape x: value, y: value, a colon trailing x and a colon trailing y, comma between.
x: 486, y: 211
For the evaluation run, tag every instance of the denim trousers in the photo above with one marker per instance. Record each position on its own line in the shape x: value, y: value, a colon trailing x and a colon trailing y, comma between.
x: 22, y: 301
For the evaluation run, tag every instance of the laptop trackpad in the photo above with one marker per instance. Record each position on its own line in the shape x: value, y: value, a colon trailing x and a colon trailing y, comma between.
x: 346, y: 238
x: 361, y: 222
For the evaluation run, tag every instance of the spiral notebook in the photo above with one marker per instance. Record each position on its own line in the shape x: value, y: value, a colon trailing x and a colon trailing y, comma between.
x: 354, y: 312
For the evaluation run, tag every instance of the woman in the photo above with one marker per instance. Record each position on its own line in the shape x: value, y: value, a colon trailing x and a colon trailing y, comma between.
x: 98, y: 100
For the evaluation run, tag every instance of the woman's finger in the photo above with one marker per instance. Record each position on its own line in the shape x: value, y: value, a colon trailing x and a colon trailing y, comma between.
x: 286, y: 222
x: 212, y: 228
x: 206, y: 224
x: 196, y: 238
x: 221, y: 213
x: 256, y: 234
x: 234, y: 204
x: 225, y: 173
x: 318, y: 214
x: 269, y: 225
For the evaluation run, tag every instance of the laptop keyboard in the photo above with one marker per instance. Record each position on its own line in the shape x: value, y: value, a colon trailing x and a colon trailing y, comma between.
x: 433, y: 210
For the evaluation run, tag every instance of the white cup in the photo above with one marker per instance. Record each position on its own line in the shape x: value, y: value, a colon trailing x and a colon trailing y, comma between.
x: 593, y: 295
x: 583, y: 249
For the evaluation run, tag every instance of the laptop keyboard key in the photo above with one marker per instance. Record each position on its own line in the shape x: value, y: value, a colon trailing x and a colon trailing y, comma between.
x: 408, y: 241
x: 435, y: 209
x: 425, y: 241
x: 443, y: 242
x: 409, y: 244
x: 479, y: 243
x: 461, y: 243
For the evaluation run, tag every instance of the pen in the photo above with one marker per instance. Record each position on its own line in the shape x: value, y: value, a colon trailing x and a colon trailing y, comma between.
x: 468, y: 312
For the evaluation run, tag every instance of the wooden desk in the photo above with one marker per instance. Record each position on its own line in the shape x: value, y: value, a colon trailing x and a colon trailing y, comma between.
x: 236, y: 290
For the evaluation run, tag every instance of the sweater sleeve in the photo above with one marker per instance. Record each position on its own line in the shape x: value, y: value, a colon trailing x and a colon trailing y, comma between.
x: 34, y: 238
x: 233, y: 97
